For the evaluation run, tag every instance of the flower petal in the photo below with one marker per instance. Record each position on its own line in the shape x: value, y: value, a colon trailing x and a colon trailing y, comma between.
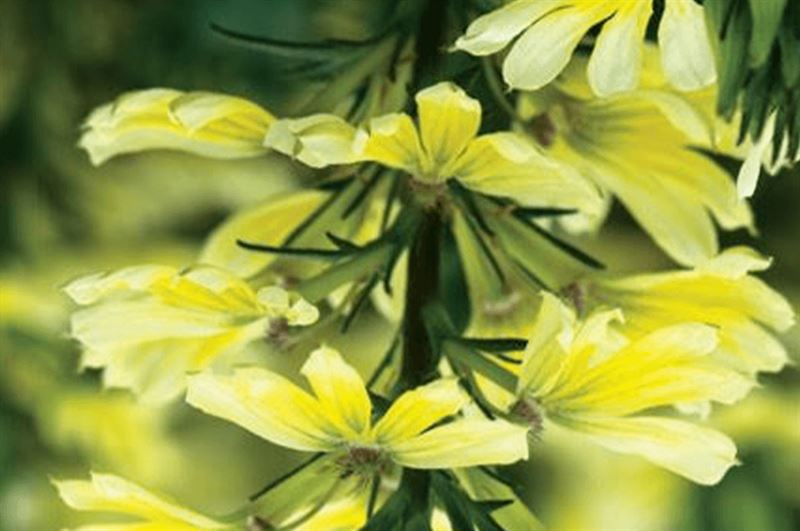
x: 463, y: 443
x: 686, y: 54
x: 91, y: 288
x: 393, y: 140
x: 616, y: 60
x: 508, y: 165
x: 268, y: 224
x: 542, y: 52
x: 212, y: 125
x: 448, y: 121
x: 492, y: 32
x: 267, y: 405
x: 417, y: 410
x: 698, y: 454
x: 318, y: 140
x: 342, y: 396
x: 109, y: 493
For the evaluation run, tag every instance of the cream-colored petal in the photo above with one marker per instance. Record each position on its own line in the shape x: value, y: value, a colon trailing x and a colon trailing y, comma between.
x: 463, y: 443
x: 448, y: 121
x: 302, y: 313
x: 675, y: 219
x: 552, y: 335
x: 616, y: 60
x: 318, y: 140
x: 747, y: 178
x: 735, y: 263
x: 92, y: 288
x: 686, y: 54
x: 269, y: 224
x: 508, y: 165
x: 544, y: 49
x: 698, y: 454
x: 492, y: 32
x: 109, y: 493
x: 267, y: 405
x: 417, y: 410
x: 212, y: 125
x: 342, y: 396
x: 393, y: 140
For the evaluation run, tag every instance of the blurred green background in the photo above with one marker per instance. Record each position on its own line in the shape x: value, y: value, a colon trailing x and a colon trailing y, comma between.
x: 59, y: 218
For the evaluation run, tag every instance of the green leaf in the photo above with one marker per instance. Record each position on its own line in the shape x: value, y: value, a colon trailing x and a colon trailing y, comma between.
x: 767, y: 16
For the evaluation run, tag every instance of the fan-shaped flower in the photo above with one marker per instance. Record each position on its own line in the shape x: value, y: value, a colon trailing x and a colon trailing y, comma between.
x: 588, y: 378
x: 720, y: 292
x: 630, y: 147
x: 550, y: 30
x: 203, y: 123
x: 106, y: 493
x: 443, y: 145
x: 337, y: 418
x: 149, y: 325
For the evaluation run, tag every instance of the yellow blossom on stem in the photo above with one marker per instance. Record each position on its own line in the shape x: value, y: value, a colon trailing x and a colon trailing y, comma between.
x: 590, y: 379
x: 106, y: 493
x: 203, y: 123
x: 337, y: 418
x: 548, y: 32
x: 147, y: 326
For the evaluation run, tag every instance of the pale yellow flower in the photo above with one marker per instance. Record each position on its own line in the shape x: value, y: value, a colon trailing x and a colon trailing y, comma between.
x: 633, y: 149
x: 110, y: 494
x: 548, y: 32
x: 337, y: 418
x: 149, y: 325
x: 720, y: 292
x: 443, y: 145
x: 208, y: 124
x: 591, y: 380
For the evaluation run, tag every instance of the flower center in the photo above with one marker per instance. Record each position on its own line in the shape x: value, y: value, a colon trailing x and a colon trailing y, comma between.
x: 528, y: 410
x: 363, y: 461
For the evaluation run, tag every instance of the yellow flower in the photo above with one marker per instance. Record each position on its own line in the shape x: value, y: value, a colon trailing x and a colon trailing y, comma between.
x: 444, y: 145
x: 212, y: 125
x: 337, y: 418
x: 106, y: 493
x: 591, y: 380
x: 720, y: 292
x: 149, y: 325
x: 550, y: 30
x: 632, y: 148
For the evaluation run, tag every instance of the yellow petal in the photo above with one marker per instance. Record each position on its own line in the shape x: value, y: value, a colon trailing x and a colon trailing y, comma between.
x: 267, y: 405
x: 109, y: 493
x: 675, y: 219
x: 495, y: 30
x: 686, y: 54
x: 616, y: 60
x: 507, y: 164
x: 318, y: 140
x: 463, y: 443
x: 212, y: 125
x: 545, y: 353
x: 669, y: 366
x: 147, y: 335
x: 268, y: 224
x: 448, y: 121
x: 698, y: 454
x: 91, y: 288
x: 393, y: 141
x: 417, y: 410
x: 342, y: 396
x: 544, y: 49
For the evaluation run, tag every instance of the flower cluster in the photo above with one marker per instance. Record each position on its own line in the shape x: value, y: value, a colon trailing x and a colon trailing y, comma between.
x: 463, y: 234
